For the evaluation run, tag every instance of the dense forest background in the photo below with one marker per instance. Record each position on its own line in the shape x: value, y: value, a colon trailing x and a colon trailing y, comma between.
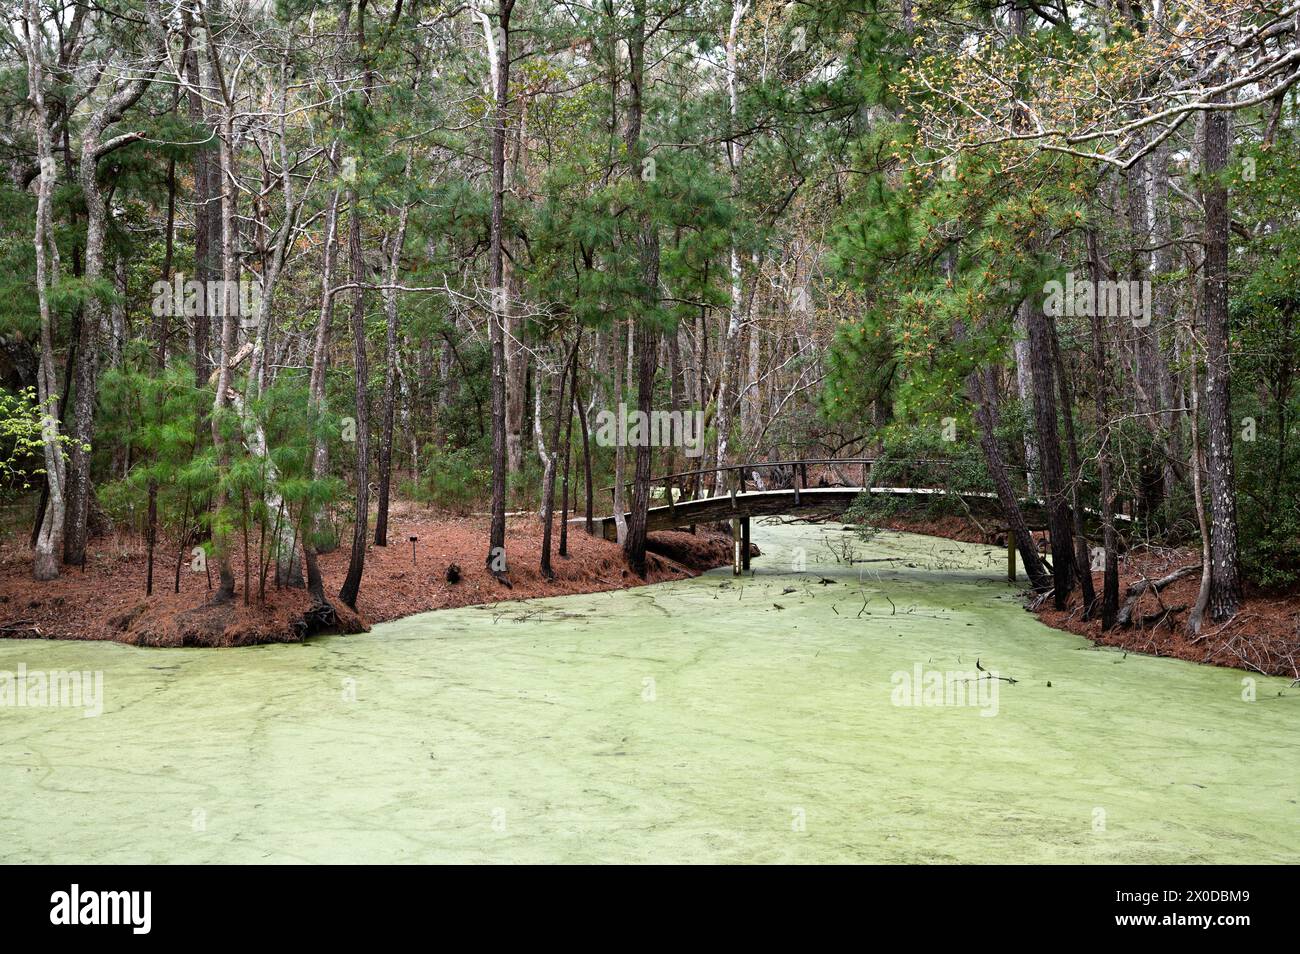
x: 1038, y: 249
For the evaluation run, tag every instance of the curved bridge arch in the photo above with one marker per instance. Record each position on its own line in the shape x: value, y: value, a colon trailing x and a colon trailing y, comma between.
x: 739, y: 504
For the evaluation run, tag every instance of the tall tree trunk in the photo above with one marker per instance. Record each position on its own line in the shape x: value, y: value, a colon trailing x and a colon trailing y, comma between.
x: 310, y: 528
x: 1197, y: 614
x: 731, y: 340
x: 360, y: 522
x: 1110, y: 570
x: 390, y: 378
x: 85, y: 371
x: 568, y: 444
x: 620, y: 451
x: 207, y: 220
x: 589, y: 500
x: 981, y: 389
x: 553, y: 462
x: 499, y: 55
x: 288, y: 570
x: 1025, y: 390
x: 1082, y: 558
x: 211, y: 77
x: 159, y: 334
x: 517, y: 367
x: 1049, y: 450
x: 1225, y: 576
x: 647, y: 333
x: 1162, y: 263
x: 49, y: 538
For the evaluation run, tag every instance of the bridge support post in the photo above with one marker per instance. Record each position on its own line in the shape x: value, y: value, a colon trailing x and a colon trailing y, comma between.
x: 735, y: 546
x: 1011, y: 557
x: 744, y: 543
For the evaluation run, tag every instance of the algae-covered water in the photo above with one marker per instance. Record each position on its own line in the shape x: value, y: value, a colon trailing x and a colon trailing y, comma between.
x: 692, y: 721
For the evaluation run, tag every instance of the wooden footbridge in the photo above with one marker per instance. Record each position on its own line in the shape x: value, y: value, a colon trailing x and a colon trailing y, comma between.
x: 732, y: 501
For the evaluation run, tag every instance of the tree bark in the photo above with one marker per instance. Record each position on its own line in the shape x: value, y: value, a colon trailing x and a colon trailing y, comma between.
x: 1049, y: 451
x: 1110, y: 570
x: 586, y: 456
x: 731, y: 339
x: 85, y: 371
x: 647, y: 335
x: 1225, y: 573
x: 499, y: 54
x: 351, y: 587
x: 1082, y: 558
x: 211, y: 77
x: 568, y: 444
x: 316, y: 397
x: 553, y: 463
x: 390, y: 378
x: 980, y: 388
x: 49, y: 538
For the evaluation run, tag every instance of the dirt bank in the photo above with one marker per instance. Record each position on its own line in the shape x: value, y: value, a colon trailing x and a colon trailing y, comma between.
x: 107, y: 600
x: 1264, y: 635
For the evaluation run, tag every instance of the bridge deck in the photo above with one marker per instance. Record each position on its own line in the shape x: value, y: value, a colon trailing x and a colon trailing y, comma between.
x: 757, y: 503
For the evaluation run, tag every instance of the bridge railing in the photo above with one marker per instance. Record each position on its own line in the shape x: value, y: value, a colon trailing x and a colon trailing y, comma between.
x: 737, y: 474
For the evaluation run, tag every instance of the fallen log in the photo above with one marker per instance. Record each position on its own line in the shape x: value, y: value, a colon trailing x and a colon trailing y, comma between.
x: 1136, y: 590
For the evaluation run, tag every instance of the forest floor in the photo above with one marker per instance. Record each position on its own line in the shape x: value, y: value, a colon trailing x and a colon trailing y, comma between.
x: 107, y: 601
x: 1264, y: 635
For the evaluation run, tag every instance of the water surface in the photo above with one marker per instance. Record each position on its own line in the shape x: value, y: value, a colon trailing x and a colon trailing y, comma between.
x: 690, y: 721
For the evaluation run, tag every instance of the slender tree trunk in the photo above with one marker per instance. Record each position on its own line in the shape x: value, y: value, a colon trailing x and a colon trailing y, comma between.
x: 1197, y: 615
x: 517, y: 368
x: 1225, y: 576
x: 1082, y: 558
x: 620, y: 452
x: 160, y: 362
x: 211, y: 77
x: 635, y: 544
x: 1110, y: 571
x: 85, y: 371
x: 1049, y: 449
x: 1162, y: 263
x: 207, y: 221
x: 390, y: 379
x: 49, y: 538
x: 588, y: 491
x: 312, y: 525
x: 647, y: 333
x: 360, y: 521
x: 982, y: 396
x: 568, y: 444
x: 1025, y: 390
x: 499, y: 49
x: 731, y: 340
x: 553, y: 463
